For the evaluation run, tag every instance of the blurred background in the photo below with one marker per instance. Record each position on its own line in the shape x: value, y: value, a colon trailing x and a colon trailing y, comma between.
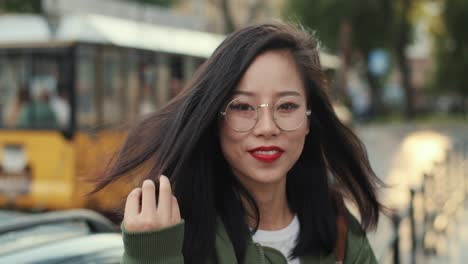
x: 73, y: 73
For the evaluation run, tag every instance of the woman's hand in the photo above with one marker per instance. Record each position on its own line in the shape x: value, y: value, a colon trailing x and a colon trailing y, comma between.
x: 151, y: 216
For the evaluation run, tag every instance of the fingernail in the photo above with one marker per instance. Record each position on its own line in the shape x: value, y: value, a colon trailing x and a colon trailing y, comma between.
x: 147, y: 181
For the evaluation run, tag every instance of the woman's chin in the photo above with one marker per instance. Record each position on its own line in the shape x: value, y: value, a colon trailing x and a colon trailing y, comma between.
x: 265, y: 178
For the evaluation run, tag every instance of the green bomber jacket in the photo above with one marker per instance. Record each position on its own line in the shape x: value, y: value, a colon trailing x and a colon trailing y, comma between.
x: 164, y: 246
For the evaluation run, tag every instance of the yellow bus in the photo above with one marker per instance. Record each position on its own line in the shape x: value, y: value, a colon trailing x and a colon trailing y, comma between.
x: 62, y: 96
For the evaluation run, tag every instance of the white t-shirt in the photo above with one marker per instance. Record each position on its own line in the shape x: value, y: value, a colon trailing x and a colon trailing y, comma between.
x: 282, y: 240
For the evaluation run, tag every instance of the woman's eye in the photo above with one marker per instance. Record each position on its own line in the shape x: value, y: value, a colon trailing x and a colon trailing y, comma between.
x: 288, y: 107
x: 241, y: 107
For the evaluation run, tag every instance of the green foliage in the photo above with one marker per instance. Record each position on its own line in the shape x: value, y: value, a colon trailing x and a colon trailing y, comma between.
x: 456, y: 19
x: 23, y: 6
x: 370, y: 24
x: 164, y: 3
x: 370, y: 20
x: 452, y: 49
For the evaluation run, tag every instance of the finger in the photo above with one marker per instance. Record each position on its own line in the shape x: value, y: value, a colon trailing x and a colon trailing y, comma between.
x: 165, y: 197
x: 132, y: 205
x: 148, y: 200
x: 175, y: 211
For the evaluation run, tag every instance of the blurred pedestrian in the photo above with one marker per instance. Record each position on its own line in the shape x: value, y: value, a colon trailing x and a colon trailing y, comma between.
x: 147, y: 105
x: 12, y: 113
x: 61, y: 107
x: 38, y: 113
x: 256, y: 163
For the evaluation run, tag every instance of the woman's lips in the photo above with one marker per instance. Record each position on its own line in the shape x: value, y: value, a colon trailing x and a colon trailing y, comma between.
x: 267, y: 154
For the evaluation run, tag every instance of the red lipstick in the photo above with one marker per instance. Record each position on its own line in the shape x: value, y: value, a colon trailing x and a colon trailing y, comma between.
x: 267, y: 153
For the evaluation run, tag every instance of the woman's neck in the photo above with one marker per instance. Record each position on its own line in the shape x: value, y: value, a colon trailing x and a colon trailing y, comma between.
x: 273, y: 206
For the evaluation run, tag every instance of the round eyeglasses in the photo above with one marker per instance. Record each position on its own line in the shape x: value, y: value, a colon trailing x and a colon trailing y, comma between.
x: 289, y: 113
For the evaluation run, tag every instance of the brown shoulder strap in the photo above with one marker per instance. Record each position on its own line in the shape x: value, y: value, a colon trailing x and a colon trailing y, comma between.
x: 342, y: 229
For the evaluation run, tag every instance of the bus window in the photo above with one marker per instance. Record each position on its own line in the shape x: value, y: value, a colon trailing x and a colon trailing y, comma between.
x: 132, y: 85
x: 112, y: 86
x: 148, y: 76
x: 85, y: 87
x: 176, y: 75
x: 12, y: 72
x: 198, y: 63
x: 46, y: 107
x: 40, y: 99
x: 182, y: 70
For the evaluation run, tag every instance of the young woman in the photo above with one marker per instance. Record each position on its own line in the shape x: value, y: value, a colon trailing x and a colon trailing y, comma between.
x: 256, y: 163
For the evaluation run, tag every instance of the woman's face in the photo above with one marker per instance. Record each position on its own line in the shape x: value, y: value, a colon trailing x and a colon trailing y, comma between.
x: 264, y: 154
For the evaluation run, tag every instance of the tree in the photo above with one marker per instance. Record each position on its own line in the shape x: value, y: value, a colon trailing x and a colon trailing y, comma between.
x: 24, y: 6
x: 230, y: 24
x: 403, y: 36
x: 452, y: 50
x: 368, y: 23
x: 164, y: 3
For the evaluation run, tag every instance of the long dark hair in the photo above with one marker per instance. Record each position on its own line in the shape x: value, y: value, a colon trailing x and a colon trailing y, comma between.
x: 181, y: 141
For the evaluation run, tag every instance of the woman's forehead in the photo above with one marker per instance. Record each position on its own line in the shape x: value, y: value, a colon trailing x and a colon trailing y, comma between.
x: 273, y: 73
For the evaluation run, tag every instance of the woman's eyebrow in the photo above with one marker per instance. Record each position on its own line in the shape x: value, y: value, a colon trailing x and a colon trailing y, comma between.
x: 244, y: 93
x: 288, y: 93
x: 280, y: 94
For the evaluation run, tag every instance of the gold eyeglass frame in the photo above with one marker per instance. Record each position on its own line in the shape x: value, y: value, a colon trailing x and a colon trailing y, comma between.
x: 308, y: 112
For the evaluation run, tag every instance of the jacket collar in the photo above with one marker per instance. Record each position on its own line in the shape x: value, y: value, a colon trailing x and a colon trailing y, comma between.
x: 222, y: 240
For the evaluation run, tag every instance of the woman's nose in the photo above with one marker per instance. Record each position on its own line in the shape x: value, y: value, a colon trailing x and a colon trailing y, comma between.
x: 266, y: 125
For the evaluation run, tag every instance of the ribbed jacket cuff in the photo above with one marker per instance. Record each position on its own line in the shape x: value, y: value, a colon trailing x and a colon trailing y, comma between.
x: 157, y: 246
